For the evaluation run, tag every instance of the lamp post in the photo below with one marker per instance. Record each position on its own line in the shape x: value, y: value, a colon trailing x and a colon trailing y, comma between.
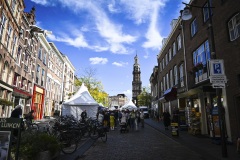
x: 186, y: 15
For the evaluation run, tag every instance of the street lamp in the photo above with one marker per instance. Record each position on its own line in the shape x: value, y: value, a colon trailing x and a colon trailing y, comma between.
x: 186, y: 15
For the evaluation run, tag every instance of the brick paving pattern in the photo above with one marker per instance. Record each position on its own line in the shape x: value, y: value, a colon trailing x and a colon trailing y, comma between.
x: 145, y: 144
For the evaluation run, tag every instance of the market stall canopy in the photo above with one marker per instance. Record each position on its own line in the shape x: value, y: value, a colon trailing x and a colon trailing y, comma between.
x: 80, y: 101
x: 129, y: 105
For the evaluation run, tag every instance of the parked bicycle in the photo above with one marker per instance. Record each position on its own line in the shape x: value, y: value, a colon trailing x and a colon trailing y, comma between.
x: 97, y: 130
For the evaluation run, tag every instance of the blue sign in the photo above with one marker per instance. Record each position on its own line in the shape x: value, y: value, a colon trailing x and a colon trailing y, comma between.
x: 215, y: 111
x: 217, y: 69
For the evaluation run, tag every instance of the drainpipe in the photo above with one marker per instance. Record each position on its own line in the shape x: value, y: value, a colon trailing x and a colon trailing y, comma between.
x: 184, y: 53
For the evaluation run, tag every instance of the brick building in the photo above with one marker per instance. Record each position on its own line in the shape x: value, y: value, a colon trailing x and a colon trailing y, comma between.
x: 195, y: 93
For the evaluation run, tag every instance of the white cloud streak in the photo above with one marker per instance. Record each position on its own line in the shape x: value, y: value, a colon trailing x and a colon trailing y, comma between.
x: 113, y: 35
x: 120, y: 64
x: 98, y: 60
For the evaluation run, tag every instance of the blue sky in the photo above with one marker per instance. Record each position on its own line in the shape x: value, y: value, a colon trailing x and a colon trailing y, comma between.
x: 106, y: 35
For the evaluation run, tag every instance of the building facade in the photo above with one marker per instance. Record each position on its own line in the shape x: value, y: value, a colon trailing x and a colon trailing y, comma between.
x: 136, y: 83
x: 54, y: 81
x: 195, y: 93
x: 117, y: 101
x: 68, y: 79
x: 25, y: 55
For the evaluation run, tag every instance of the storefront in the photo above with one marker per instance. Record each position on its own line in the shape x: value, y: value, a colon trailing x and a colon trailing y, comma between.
x: 22, y: 97
x: 38, y: 102
x: 5, y: 99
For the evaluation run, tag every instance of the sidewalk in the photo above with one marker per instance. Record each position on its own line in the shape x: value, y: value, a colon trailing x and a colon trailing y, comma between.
x: 199, y: 144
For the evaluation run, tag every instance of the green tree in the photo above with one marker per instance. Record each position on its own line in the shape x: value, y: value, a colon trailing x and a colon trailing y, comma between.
x: 94, y: 86
x: 144, y: 98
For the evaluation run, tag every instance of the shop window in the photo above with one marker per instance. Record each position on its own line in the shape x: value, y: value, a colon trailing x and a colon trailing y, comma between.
x: 234, y: 27
x: 194, y: 27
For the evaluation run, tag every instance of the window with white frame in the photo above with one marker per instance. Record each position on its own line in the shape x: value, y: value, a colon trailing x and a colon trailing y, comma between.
x: 40, y: 53
x: 18, y: 57
x: 194, y: 27
x: 175, y: 75
x: 163, y: 63
x: 171, y: 77
x: 162, y: 88
x: 167, y: 81
x: 160, y: 66
x: 43, y: 72
x: 202, y: 54
x: 2, y: 25
x: 8, y: 35
x: 174, y: 48
x: 206, y: 12
x: 170, y: 54
x: 179, y: 42
x: 13, y: 6
x: 14, y: 44
x: 181, y: 75
x: 166, y: 59
x: 234, y: 27
x: 164, y: 84
x: 44, y: 58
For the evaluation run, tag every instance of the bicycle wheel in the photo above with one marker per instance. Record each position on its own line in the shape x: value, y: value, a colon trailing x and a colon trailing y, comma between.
x: 104, y: 136
x: 34, y: 127
x: 93, y: 134
x: 68, y: 145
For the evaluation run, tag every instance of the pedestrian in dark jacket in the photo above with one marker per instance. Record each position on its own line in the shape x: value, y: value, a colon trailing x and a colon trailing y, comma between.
x: 17, y: 112
x: 166, y: 119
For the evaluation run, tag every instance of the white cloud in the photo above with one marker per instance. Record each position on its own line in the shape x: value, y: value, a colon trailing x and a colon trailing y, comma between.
x: 112, y: 8
x: 109, y: 31
x: 146, y: 56
x: 141, y: 10
x: 128, y: 93
x: 42, y: 2
x: 98, y: 60
x: 120, y: 64
x: 153, y: 37
x: 78, y: 41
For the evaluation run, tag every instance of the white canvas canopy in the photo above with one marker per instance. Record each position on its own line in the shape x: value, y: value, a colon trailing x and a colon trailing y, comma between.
x: 80, y: 101
x: 129, y: 105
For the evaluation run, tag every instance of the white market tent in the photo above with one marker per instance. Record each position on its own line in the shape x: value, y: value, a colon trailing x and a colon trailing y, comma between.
x: 80, y: 101
x: 129, y: 105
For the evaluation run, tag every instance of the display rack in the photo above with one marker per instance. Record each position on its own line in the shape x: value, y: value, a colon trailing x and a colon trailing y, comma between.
x: 193, y: 121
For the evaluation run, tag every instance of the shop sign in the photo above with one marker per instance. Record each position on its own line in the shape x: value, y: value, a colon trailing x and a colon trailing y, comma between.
x: 10, y: 123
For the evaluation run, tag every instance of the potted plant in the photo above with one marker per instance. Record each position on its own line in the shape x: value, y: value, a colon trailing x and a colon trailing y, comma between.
x: 199, y: 65
x: 194, y: 69
x: 38, y: 146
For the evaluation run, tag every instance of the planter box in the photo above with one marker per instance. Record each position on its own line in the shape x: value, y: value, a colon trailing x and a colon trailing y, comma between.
x: 47, y: 156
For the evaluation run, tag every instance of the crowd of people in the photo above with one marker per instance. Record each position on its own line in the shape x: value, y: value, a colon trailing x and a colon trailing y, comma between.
x: 113, y: 119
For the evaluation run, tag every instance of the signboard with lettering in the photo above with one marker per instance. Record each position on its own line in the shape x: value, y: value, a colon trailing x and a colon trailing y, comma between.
x: 10, y: 123
x: 217, y: 73
x: 216, y: 67
x: 7, y: 125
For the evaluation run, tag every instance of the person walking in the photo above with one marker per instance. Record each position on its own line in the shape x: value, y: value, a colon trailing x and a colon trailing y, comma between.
x: 166, y: 119
x: 112, y: 121
x: 116, y: 118
x: 137, y: 119
x: 142, y: 118
x: 84, y: 115
x: 132, y: 117
x: 17, y: 112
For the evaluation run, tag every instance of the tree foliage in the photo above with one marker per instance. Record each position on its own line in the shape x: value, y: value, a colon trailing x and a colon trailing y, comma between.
x: 94, y: 86
x: 144, y: 98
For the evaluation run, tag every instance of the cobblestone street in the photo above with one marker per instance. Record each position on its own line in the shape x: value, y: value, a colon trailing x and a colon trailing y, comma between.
x: 145, y: 144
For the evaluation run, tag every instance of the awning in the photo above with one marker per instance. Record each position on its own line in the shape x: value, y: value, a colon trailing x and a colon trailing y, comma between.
x: 169, y: 95
x: 21, y: 93
x: 189, y: 93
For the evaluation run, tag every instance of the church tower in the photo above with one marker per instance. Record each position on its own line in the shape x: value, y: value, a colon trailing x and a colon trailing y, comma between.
x: 136, y: 83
